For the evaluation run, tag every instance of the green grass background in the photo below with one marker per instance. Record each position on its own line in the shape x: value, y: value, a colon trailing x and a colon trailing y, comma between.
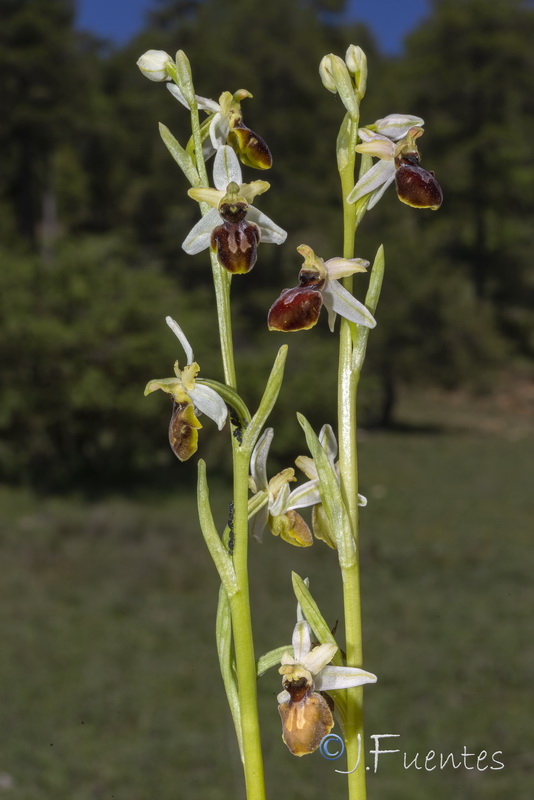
x: 109, y: 686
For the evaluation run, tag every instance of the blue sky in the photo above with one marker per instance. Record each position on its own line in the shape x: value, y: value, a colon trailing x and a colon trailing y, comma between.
x: 390, y: 20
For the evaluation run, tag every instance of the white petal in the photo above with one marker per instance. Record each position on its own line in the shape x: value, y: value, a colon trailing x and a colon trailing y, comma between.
x: 270, y: 232
x: 327, y: 437
x: 342, y: 302
x: 362, y: 501
x: 199, y: 236
x: 175, y: 91
x: 226, y: 168
x: 210, y: 403
x: 396, y: 126
x: 380, y: 147
x: 303, y: 496
x: 258, y: 461
x: 319, y: 657
x: 375, y: 177
x: 182, y: 338
x: 377, y: 194
x: 342, y: 678
x: 301, y: 641
x: 205, y: 194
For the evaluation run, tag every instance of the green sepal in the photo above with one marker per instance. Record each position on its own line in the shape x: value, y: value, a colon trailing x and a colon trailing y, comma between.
x: 268, y: 400
x: 225, y: 651
x: 218, y: 552
x: 271, y: 659
x: 181, y: 156
x: 231, y: 398
x: 371, y: 301
x: 331, y: 497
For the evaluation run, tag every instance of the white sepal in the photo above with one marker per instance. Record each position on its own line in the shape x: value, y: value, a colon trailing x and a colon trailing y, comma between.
x: 210, y: 403
x: 380, y: 175
x: 318, y: 657
x: 339, y: 301
x: 271, y: 233
x: 182, y: 338
x: 331, y: 678
x: 301, y: 642
x: 396, y: 126
x: 226, y: 168
x: 199, y: 236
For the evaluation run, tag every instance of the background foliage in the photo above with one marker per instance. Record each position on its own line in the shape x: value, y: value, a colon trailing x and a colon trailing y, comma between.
x: 93, y: 213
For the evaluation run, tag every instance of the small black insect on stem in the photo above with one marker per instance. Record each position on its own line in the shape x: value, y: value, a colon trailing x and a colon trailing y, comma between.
x: 231, y: 526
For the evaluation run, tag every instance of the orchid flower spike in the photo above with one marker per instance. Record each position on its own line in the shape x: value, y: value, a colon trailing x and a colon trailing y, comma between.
x: 305, y: 713
x: 189, y: 398
x: 392, y: 141
x: 232, y: 227
x: 225, y: 126
x: 297, y: 309
x: 278, y: 510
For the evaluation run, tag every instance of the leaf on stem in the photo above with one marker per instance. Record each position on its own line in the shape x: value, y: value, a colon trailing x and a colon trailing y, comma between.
x: 274, y: 382
x: 371, y: 302
x: 219, y: 554
x: 223, y: 635
x: 181, y: 156
x: 270, y: 659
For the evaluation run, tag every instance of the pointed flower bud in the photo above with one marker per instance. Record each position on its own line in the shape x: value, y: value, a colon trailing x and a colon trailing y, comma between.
x: 155, y: 64
x: 335, y: 77
x: 356, y: 62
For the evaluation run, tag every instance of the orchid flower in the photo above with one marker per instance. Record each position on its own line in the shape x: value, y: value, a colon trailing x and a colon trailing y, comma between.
x: 188, y: 397
x: 226, y: 171
x: 392, y: 141
x: 298, y: 308
x: 225, y: 126
x: 279, y: 510
x: 305, y: 713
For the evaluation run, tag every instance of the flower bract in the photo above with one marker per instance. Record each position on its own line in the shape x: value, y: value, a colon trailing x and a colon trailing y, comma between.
x: 189, y: 397
x: 320, y: 525
x: 298, y: 308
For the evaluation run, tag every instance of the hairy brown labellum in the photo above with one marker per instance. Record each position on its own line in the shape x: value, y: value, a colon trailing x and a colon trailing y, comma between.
x: 296, y: 309
x: 251, y: 148
x: 183, y: 431
x: 233, y: 212
x: 416, y: 186
x: 306, y: 719
x: 236, y: 245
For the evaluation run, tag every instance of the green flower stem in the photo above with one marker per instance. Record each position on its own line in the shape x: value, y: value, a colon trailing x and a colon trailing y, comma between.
x: 242, y: 632
x: 348, y: 461
x: 240, y: 601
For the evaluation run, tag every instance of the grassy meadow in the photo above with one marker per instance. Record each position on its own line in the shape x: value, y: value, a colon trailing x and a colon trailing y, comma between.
x: 109, y: 686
